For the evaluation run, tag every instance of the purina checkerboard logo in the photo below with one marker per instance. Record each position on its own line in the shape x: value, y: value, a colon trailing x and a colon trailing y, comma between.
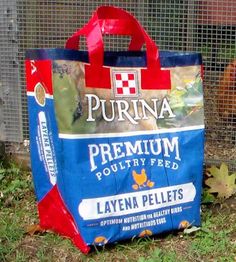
x: 125, y: 83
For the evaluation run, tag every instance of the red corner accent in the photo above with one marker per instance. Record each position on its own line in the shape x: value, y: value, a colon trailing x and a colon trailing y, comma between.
x: 54, y: 215
x: 151, y: 79
x: 97, y: 77
x: 39, y: 71
x: 155, y: 79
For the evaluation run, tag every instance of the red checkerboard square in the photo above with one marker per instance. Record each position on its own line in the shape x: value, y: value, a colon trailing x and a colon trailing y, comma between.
x: 125, y: 83
x: 131, y: 76
x: 118, y: 76
x: 119, y: 91
x: 132, y: 90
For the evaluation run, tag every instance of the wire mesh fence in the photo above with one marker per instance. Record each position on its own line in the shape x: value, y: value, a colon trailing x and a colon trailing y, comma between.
x: 207, y: 26
x: 10, y: 99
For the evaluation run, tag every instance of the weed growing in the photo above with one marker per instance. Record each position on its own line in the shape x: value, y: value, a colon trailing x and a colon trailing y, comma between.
x: 15, y: 185
x: 215, y: 241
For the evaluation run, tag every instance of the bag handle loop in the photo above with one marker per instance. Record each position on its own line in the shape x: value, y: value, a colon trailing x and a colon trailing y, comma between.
x: 113, y: 20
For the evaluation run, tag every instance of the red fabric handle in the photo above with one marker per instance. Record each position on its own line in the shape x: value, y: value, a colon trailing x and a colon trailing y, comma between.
x: 112, y: 20
x: 117, y: 22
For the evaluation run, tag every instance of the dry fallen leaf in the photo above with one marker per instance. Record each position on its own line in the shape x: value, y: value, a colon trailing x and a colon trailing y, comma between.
x: 34, y: 229
x: 191, y: 230
x: 221, y: 182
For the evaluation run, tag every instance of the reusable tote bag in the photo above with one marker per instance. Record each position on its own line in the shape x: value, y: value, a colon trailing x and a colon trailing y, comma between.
x: 116, y: 137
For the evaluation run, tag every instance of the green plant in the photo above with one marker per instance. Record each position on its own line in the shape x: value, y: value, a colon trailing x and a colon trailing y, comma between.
x: 207, y: 198
x: 212, y: 241
x: 215, y: 241
x: 161, y: 255
x: 227, y: 51
x: 13, y: 185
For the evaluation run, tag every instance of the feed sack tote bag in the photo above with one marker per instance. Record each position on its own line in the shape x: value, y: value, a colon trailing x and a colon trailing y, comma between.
x: 116, y: 137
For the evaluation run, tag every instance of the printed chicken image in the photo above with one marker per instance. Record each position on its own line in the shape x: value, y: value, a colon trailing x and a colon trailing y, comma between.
x: 72, y: 104
x: 145, y: 233
x: 100, y: 240
x: 139, y: 112
x: 184, y: 224
x: 226, y: 95
x: 141, y: 180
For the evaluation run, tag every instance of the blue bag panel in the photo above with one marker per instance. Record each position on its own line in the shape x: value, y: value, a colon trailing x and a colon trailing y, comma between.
x: 44, y: 146
x: 120, y: 187
x: 190, y: 170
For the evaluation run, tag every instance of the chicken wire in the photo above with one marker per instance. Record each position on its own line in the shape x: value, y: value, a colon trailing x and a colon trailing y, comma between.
x: 208, y: 26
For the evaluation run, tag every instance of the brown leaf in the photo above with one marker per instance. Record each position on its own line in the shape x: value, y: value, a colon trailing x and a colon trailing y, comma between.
x: 213, y: 171
x: 34, y: 229
x: 221, y: 182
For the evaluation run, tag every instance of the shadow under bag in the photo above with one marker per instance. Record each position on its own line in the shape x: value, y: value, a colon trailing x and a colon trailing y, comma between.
x: 116, y: 138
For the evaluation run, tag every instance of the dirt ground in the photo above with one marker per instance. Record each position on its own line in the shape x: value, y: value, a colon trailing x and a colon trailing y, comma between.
x: 214, y: 241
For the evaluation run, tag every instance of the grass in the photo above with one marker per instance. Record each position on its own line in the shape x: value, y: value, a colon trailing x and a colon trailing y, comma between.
x: 216, y: 241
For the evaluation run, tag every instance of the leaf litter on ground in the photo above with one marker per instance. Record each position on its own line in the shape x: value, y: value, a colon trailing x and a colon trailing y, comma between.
x: 221, y: 182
